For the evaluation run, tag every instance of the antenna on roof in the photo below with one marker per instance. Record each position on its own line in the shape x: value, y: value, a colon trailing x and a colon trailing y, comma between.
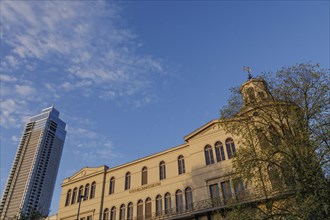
x: 248, y: 69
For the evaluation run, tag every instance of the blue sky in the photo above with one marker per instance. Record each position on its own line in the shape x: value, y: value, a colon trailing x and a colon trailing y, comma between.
x: 132, y: 78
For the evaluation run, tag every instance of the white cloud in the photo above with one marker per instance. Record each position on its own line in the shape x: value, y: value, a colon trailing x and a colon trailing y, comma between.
x: 90, y: 145
x: 87, y: 38
x: 13, y: 113
x: 82, y: 132
x: 7, y: 78
x: 24, y: 90
x: 11, y: 60
x: 14, y: 139
x: 54, y: 50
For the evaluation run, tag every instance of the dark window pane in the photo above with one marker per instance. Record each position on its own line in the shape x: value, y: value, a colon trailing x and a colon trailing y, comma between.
x: 148, y: 208
x: 226, y: 190
x: 140, y: 210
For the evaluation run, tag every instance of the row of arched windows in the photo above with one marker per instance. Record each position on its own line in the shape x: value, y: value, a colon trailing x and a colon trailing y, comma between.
x: 83, y: 193
x: 145, y: 212
x: 144, y: 175
x: 219, y: 151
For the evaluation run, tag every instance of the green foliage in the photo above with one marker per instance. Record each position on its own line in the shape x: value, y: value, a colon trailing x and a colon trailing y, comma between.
x: 35, y: 215
x: 285, y: 143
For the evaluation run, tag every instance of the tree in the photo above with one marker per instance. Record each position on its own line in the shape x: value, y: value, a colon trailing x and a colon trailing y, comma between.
x: 35, y: 215
x: 283, y: 122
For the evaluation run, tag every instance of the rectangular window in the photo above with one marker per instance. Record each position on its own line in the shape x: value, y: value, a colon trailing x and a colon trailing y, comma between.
x: 239, y: 188
x: 226, y: 190
x: 214, y: 191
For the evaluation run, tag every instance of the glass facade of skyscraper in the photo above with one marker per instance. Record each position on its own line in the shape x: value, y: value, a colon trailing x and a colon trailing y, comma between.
x: 31, y: 181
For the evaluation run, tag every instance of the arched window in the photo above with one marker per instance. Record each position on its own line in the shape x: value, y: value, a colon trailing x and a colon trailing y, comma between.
x: 261, y: 95
x: 275, y: 137
x: 274, y: 176
x: 106, y: 214
x: 113, y: 213
x: 68, y: 197
x: 162, y: 170
x: 122, y: 212
x: 189, y: 198
x: 181, y: 166
x: 250, y: 92
x: 219, y: 151
x: 87, y: 192
x: 144, y: 176
x: 230, y: 146
x: 130, y: 210
x: 179, y: 201
x: 139, y: 210
x: 159, y: 205
x: 112, y: 185
x: 80, y: 193
x: 127, y: 181
x: 168, y: 205
x: 74, y: 195
x: 93, y: 190
x: 148, y: 208
x: 263, y: 140
x: 287, y: 174
x: 208, y: 155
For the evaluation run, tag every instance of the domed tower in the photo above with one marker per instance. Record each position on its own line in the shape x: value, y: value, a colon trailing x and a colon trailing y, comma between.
x: 253, y: 91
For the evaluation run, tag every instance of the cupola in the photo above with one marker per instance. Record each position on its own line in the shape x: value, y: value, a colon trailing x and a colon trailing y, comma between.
x: 254, y: 90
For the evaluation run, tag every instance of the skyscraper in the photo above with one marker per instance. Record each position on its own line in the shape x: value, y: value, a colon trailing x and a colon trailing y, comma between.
x: 30, y: 185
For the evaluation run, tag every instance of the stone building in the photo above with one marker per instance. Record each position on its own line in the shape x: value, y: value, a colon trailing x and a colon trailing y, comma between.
x: 193, y: 180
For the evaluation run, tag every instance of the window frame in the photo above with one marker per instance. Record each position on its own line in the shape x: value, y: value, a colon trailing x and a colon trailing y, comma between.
x: 80, y: 193
x: 162, y: 170
x: 106, y: 213
x: 68, y: 197
x: 130, y: 210
x: 208, y: 152
x: 167, y: 203
x: 219, y: 151
x: 127, y: 180
x: 93, y: 190
x: 189, y: 199
x: 181, y: 165
x: 159, y: 205
x: 113, y: 213
x: 148, y: 208
x: 231, y: 149
x: 179, y: 200
x: 112, y: 185
x: 144, y: 176
x: 86, y: 191
x: 139, y: 211
x: 74, y: 194
x: 122, y: 212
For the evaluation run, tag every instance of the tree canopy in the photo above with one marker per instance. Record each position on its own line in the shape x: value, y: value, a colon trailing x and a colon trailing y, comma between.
x: 284, y: 146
